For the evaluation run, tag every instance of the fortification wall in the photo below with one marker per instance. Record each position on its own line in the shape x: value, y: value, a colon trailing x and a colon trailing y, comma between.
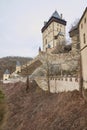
x: 67, y: 61
x: 64, y: 84
x: 57, y: 85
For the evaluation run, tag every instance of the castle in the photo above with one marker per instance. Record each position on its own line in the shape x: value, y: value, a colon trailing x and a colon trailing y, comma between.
x: 53, y: 34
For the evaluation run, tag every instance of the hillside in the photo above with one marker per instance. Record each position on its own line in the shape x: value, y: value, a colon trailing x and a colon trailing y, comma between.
x: 2, y: 107
x: 39, y: 110
x: 10, y: 63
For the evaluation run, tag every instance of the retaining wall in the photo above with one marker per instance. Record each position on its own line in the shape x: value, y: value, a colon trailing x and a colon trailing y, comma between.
x: 64, y: 84
x: 59, y: 84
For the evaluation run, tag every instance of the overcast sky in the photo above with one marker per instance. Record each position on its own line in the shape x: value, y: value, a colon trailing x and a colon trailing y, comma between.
x: 21, y: 22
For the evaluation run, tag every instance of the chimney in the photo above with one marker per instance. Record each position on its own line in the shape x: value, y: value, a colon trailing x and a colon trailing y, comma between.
x: 61, y: 15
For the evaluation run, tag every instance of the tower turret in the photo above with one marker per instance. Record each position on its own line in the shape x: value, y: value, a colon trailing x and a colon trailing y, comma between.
x: 6, y: 75
x: 51, y: 30
x: 18, y: 67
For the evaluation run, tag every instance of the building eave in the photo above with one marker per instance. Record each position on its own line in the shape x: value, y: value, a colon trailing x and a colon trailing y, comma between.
x: 53, y: 19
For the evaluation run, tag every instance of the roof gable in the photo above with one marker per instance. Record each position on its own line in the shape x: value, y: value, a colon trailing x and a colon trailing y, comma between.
x: 18, y: 63
x: 56, y: 15
x: 7, y: 71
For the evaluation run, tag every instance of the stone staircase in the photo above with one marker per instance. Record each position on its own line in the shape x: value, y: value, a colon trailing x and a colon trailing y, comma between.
x: 28, y: 69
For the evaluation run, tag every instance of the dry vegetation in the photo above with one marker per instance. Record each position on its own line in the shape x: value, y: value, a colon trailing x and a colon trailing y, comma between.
x: 39, y: 110
x: 2, y: 106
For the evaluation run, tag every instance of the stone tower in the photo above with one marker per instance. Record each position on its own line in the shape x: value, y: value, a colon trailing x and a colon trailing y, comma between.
x: 53, y: 31
x: 18, y: 67
x: 6, y: 75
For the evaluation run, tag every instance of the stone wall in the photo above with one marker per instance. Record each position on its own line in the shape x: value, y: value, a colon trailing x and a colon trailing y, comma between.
x: 42, y: 83
x: 64, y: 84
x: 57, y: 85
x: 66, y: 61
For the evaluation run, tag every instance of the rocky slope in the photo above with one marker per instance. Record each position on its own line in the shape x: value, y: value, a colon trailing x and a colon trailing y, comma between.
x: 39, y: 110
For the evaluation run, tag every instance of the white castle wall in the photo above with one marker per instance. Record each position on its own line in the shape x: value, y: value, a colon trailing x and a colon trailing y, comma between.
x: 58, y: 84
x: 63, y: 84
x: 14, y: 80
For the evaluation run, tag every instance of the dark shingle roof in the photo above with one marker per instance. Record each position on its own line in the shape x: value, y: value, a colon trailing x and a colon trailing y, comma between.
x: 18, y: 63
x: 7, y: 72
x: 74, y: 30
x: 56, y: 15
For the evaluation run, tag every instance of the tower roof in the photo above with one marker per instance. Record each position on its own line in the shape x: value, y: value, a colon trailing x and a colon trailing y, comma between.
x: 74, y: 30
x: 56, y: 15
x: 56, y: 18
x: 18, y: 63
x: 7, y: 72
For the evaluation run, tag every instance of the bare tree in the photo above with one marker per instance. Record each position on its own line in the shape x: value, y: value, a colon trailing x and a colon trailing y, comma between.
x: 25, y: 72
x: 50, y: 70
x: 62, y: 47
x: 48, y: 73
x: 27, y: 83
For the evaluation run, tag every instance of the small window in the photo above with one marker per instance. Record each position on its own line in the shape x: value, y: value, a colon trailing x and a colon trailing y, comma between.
x: 84, y: 38
x: 85, y: 20
x: 81, y: 26
x: 46, y: 41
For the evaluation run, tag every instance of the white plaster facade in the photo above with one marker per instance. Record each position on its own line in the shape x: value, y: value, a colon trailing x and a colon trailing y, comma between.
x: 83, y: 46
x: 62, y: 84
x: 6, y: 75
x: 18, y: 69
